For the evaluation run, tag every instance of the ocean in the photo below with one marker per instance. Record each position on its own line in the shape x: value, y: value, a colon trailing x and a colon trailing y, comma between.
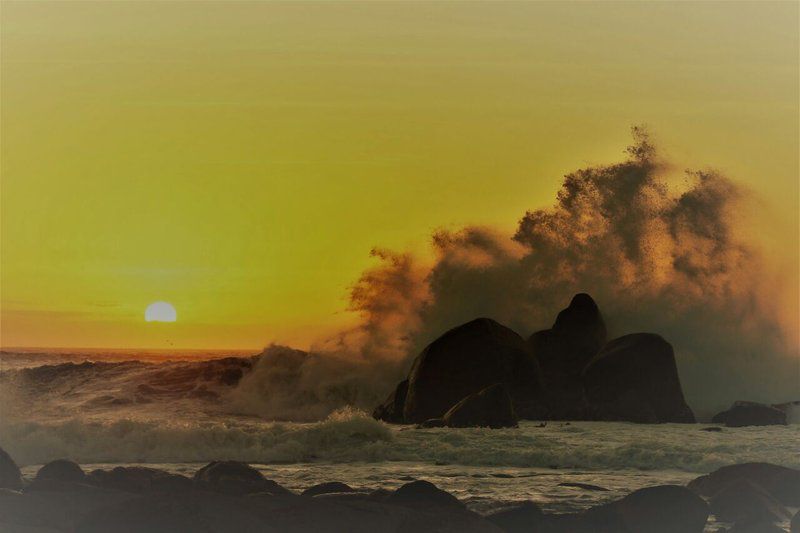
x: 103, y: 410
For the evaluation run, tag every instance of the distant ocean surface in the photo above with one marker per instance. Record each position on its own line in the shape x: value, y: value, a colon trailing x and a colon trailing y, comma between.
x: 105, y: 409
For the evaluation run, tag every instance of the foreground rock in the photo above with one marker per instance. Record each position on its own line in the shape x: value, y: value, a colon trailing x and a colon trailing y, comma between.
x: 235, y: 478
x: 491, y: 407
x: 423, y: 493
x: 662, y: 509
x: 139, y: 479
x: 466, y: 360
x: 634, y: 378
x: 519, y: 519
x: 10, y: 476
x: 745, y: 503
x: 743, y: 414
x: 780, y: 482
x: 564, y: 350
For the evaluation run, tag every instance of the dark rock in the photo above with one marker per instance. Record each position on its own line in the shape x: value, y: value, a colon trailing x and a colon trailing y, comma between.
x: 423, y: 493
x: 332, y: 487
x: 780, y: 482
x: 743, y: 414
x: 744, y: 502
x: 10, y: 476
x: 794, y: 526
x: 712, y: 429
x: 391, y: 410
x: 234, y: 477
x: 491, y: 407
x: 584, y: 486
x: 661, y: 509
x: 562, y: 353
x: 167, y: 513
x: 520, y: 519
x: 432, y: 423
x: 61, y: 470
x: 139, y: 479
x: 634, y: 378
x: 466, y: 360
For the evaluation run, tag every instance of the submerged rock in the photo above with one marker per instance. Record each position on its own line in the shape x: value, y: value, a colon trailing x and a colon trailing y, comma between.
x: 743, y: 414
x: 465, y: 360
x: 562, y: 353
x: 10, y: 476
x: 584, y: 486
x: 432, y: 423
x: 234, y: 477
x: 634, y: 378
x: 661, y: 509
x: 391, y: 410
x: 331, y: 487
x: 779, y: 481
x: 491, y: 407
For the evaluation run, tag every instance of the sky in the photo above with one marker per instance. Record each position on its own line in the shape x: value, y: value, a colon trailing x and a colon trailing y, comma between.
x: 240, y: 160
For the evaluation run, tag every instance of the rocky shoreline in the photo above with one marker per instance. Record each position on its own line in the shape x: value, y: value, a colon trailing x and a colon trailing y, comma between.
x: 230, y: 496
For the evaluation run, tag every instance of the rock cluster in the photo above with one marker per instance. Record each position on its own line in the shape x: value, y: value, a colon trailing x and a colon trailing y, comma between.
x: 230, y: 496
x: 568, y: 372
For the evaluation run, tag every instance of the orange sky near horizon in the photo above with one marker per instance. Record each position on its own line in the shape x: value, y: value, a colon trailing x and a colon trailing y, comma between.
x: 240, y: 159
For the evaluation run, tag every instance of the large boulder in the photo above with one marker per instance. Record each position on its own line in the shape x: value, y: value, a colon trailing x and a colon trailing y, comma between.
x: 779, y: 481
x: 467, y: 359
x: 10, y: 476
x: 661, y: 509
x: 492, y: 407
x: 744, y: 413
x: 634, y: 378
x: 235, y: 478
x: 391, y: 410
x: 564, y: 350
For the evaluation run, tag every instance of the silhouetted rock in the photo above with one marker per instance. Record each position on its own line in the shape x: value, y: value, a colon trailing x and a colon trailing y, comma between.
x: 795, y: 523
x: 234, y: 477
x: 562, y: 353
x: 661, y: 509
x: 519, y: 519
x: 750, y: 414
x: 139, y: 479
x: 491, y: 407
x: 62, y: 470
x: 744, y: 502
x: 10, y: 477
x: 466, y: 360
x: 423, y: 493
x: 712, y: 429
x: 391, y: 410
x: 779, y: 481
x: 331, y: 487
x: 634, y: 378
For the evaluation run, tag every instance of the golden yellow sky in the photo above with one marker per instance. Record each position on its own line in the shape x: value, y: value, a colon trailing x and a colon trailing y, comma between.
x: 239, y: 160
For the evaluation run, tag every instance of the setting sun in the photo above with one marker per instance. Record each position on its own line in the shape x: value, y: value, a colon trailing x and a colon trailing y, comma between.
x: 160, y: 312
